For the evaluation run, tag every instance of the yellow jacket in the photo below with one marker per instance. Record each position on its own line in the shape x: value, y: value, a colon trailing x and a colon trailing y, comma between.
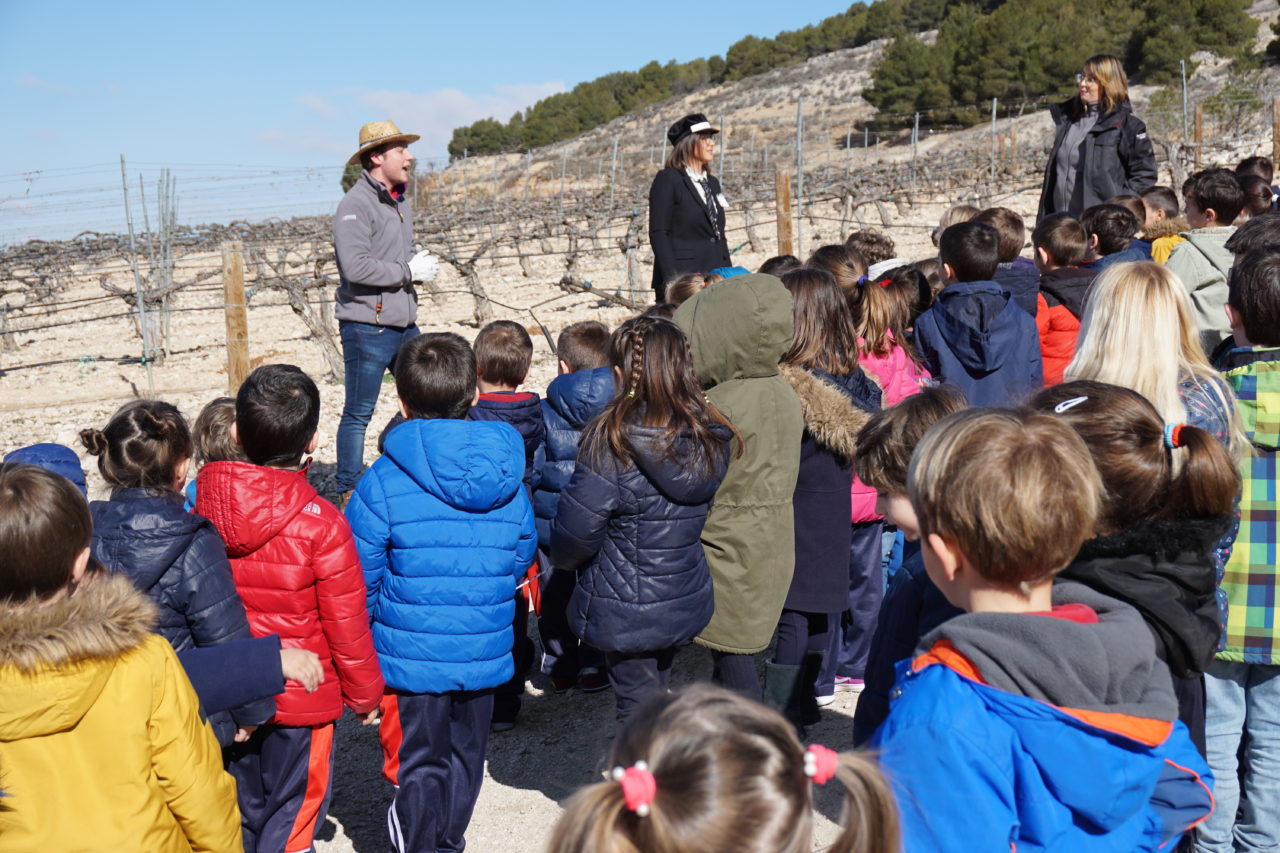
x: 102, y: 743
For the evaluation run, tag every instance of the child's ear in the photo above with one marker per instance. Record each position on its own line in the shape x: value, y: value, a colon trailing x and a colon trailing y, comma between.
x: 404, y: 408
x: 312, y: 444
x: 1093, y: 243
x: 235, y: 435
x: 948, y: 273
x: 180, y: 472
x: 1233, y: 317
x: 1042, y: 257
x: 564, y: 367
x: 475, y: 398
x: 948, y: 555
x: 79, y: 566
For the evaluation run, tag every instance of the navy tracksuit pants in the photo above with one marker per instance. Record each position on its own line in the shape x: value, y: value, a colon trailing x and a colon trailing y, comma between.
x: 433, y: 749
x: 284, y: 778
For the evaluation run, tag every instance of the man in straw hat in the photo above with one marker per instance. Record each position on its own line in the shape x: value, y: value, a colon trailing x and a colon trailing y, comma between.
x: 377, y: 306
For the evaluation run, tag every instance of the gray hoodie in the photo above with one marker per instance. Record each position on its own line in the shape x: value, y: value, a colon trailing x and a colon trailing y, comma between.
x: 1202, y: 263
x: 373, y: 239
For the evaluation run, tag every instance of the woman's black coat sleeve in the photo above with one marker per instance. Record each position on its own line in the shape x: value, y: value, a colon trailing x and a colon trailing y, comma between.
x: 662, y: 204
x: 1140, y: 165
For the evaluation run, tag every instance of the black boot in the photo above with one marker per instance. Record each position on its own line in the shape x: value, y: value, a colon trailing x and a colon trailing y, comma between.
x: 780, y: 686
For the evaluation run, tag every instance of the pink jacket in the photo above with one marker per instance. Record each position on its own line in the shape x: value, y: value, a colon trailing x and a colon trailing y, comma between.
x: 898, y: 377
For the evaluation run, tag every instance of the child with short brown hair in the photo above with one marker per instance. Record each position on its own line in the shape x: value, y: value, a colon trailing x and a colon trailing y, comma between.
x: 1044, y: 703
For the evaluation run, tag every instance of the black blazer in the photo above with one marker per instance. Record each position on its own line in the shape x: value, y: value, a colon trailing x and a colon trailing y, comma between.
x: 680, y: 231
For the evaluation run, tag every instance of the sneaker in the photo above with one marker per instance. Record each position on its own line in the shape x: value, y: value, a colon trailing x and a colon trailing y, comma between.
x: 561, y: 685
x: 845, y: 684
x: 824, y: 701
x: 592, y: 680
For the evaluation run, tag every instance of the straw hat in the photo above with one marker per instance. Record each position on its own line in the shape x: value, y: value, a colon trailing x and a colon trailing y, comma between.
x: 377, y: 133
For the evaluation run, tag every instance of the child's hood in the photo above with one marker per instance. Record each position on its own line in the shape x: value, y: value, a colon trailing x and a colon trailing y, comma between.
x: 470, y: 465
x: 250, y: 504
x: 739, y: 328
x: 1087, y: 701
x: 1254, y: 375
x: 978, y: 320
x: 143, y: 534
x: 580, y: 396
x: 678, y: 478
x: 1212, y: 244
x: 55, y: 659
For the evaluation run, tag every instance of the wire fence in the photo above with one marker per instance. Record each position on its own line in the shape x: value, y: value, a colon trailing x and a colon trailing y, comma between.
x: 577, y: 203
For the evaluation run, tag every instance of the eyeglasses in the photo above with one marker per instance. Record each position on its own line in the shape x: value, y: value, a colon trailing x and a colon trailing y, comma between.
x: 1086, y: 78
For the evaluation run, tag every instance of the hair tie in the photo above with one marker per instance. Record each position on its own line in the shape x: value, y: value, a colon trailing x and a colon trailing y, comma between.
x: 862, y: 279
x: 1173, y: 435
x: 820, y: 763
x: 885, y: 282
x: 1065, y: 405
x: 638, y: 786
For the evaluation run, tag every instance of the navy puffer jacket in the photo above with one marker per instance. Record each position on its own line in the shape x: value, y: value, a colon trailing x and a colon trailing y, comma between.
x: 634, y: 533
x: 178, y: 559
x: 572, y: 400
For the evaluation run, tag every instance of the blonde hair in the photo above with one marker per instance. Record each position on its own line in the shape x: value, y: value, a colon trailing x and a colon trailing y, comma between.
x: 1113, y: 84
x: 730, y: 776
x: 1138, y: 332
x: 1017, y: 492
x: 682, y: 289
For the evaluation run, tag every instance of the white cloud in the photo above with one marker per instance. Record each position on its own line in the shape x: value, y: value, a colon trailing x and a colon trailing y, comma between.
x: 434, y: 115
x: 317, y: 105
x: 32, y: 82
x: 307, y: 142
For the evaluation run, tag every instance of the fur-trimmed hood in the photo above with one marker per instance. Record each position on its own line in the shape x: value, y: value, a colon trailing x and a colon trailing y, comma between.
x: 834, y: 413
x: 55, y: 658
x: 1166, y: 228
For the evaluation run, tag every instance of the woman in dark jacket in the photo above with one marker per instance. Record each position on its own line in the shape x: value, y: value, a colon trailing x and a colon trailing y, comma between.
x: 630, y: 520
x: 686, y: 206
x: 837, y: 399
x: 1100, y: 148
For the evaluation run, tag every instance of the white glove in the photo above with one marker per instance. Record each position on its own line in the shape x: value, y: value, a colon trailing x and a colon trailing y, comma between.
x: 423, y: 267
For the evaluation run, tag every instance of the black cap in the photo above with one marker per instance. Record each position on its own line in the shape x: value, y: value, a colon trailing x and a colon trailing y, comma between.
x: 692, y: 123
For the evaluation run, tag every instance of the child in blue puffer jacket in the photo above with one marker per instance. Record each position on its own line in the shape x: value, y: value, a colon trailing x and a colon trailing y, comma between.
x: 581, y: 391
x: 444, y: 529
x: 175, y: 557
x: 630, y: 521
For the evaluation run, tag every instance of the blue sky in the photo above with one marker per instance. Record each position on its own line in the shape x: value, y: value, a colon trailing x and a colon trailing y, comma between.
x: 254, y: 105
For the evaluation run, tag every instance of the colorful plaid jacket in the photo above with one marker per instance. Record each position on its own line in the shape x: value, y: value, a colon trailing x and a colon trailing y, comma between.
x: 1252, y: 579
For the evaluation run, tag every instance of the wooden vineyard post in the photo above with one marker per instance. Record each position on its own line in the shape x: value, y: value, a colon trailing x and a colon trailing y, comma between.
x: 237, y: 315
x: 1199, y: 135
x: 782, y: 186
x: 1275, y: 129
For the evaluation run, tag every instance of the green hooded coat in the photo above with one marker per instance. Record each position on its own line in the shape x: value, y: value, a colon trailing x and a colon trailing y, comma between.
x: 739, y: 329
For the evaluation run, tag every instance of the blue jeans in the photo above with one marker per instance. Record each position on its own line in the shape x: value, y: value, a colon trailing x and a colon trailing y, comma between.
x: 368, y: 352
x: 1242, y: 698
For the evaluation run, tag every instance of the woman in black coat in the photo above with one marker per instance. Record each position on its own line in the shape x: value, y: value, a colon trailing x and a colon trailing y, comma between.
x: 1100, y: 148
x: 686, y: 206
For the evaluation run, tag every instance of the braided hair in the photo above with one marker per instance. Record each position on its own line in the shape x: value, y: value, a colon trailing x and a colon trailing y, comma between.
x: 656, y: 387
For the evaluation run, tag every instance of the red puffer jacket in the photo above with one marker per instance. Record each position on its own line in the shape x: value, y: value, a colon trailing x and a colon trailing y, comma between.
x: 296, y: 569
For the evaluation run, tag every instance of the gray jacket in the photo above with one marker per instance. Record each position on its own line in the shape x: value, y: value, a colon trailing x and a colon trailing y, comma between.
x: 1202, y: 263
x: 373, y: 239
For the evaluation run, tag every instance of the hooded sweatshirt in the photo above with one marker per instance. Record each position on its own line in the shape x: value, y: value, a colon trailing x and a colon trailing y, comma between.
x: 975, y: 338
x: 1021, y: 731
x: 1202, y: 264
x: 178, y: 559
x: 632, y: 532
x: 444, y: 526
x: 739, y: 329
x: 297, y: 572
x: 102, y: 744
x: 572, y: 400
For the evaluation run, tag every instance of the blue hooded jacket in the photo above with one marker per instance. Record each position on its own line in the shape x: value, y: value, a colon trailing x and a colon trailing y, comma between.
x: 1125, y: 256
x: 1021, y: 278
x: 444, y: 528
x: 521, y: 409
x: 1016, y: 731
x: 976, y: 338
x: 634, y: 534
x: 178, y: 559
x: 572, y: 400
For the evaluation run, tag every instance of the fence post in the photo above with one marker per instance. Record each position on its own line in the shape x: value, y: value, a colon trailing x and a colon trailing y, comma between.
x: 613, y: 174
x: 724, y: 143
x: 1182, y: 64
x: 1199, y: 134
x: 1275, y: 129
x: 782, y: 210
x: 994, y: 103
x: 799, y: 175
x: 236, y: 313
